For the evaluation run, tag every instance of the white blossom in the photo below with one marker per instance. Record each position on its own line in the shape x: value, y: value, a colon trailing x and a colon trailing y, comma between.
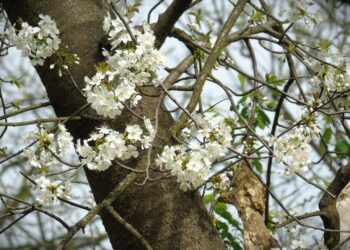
x: 224, y: 182
x: 293, y: 148
x: 110, y: 89
x: 119, y: 5
x: 103, y: 101
x: 37, y: 42
x: 50, y: 191
x: 85, y: 151
x: 64, y: 139
x: 333, y: 79
x: 221, y: 182
x: 301, y: 12
x: 51, y: 146
x: 105, y: 145
x: 149, y: 136
x: 41, y: 158
x: 134, y: 132
x: 191, y: 162
x: 298, y: 244
x: 134, y: 100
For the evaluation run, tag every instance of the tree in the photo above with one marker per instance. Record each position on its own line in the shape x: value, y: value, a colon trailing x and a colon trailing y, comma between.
x: 145, y: 167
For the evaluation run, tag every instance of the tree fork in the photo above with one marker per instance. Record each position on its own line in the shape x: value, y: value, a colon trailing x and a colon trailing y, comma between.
x: 166, y: 217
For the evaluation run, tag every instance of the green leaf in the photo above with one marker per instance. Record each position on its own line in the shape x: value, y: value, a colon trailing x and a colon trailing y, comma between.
x: 208, y: 198
x: 230, y: 122
x: 271, y: 78
x: 291, y: 48
x: 324, y: 44
x: 327, y: 134
x: 322, y: 148
x: 327, y: 119
x: 199, y: 54
x: 17, y: 103
x: 244, y: 113
x: 134, y: 8
x: 271, y: 227
x: 16, y: 82
x: 19, y: 21
x: 326, y: 137
x: 3, y: 150
x: 257, y: 16
x: 257, y: 164
x: 197, y: 15
x: 275, y: 93
x: 325, y: 183
x: 323, y: 71
x: 242, y: 101
x: 241, y: 80
x: 222, y: 226
x: 262, y: 120
x: 213, y: 109
x: 101, y: 66
x: 220, y: 205
x: 226, y: 236
x: 272, y: 105
x: 342, y: 148
x: 221, y: 209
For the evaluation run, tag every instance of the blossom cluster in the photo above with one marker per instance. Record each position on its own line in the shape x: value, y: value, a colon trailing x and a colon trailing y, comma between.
x: 127, y: 67
x: 207, y: 139
x: 293, y: 148
x: 52, y: 148
x: 36, y: 42
x: 295, y: 234
x: 97, y: 153
x: 302, y: 11
x: 50, y: 191
x: 106, y: 145
x: 333, y: 78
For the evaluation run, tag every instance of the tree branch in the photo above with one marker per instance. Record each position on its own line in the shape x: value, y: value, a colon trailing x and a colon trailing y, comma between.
x: 167, y: 20
x: 39, y: 121
x: 220, y: 44
x: 96, y: 210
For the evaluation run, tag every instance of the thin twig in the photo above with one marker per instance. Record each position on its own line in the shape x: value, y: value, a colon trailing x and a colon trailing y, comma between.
x: 34, y: 142
x: 113, y: 195
x: 22, y: 110
x: 38, y: 121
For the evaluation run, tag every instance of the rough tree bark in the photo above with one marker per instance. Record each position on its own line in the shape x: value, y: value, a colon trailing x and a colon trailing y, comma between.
x: 248, y: 196
x: 328, y: 206
x: 167, y: 217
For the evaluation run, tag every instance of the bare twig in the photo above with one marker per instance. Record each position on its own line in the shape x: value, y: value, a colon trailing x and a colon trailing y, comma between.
x: 113, y: 195
x: 39, y: 121
x: 209, y: 64
x: 22, y: 110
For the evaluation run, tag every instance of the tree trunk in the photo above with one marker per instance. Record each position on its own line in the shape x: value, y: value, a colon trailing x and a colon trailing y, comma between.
x: 248, y: 196
x: 167, y: 217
